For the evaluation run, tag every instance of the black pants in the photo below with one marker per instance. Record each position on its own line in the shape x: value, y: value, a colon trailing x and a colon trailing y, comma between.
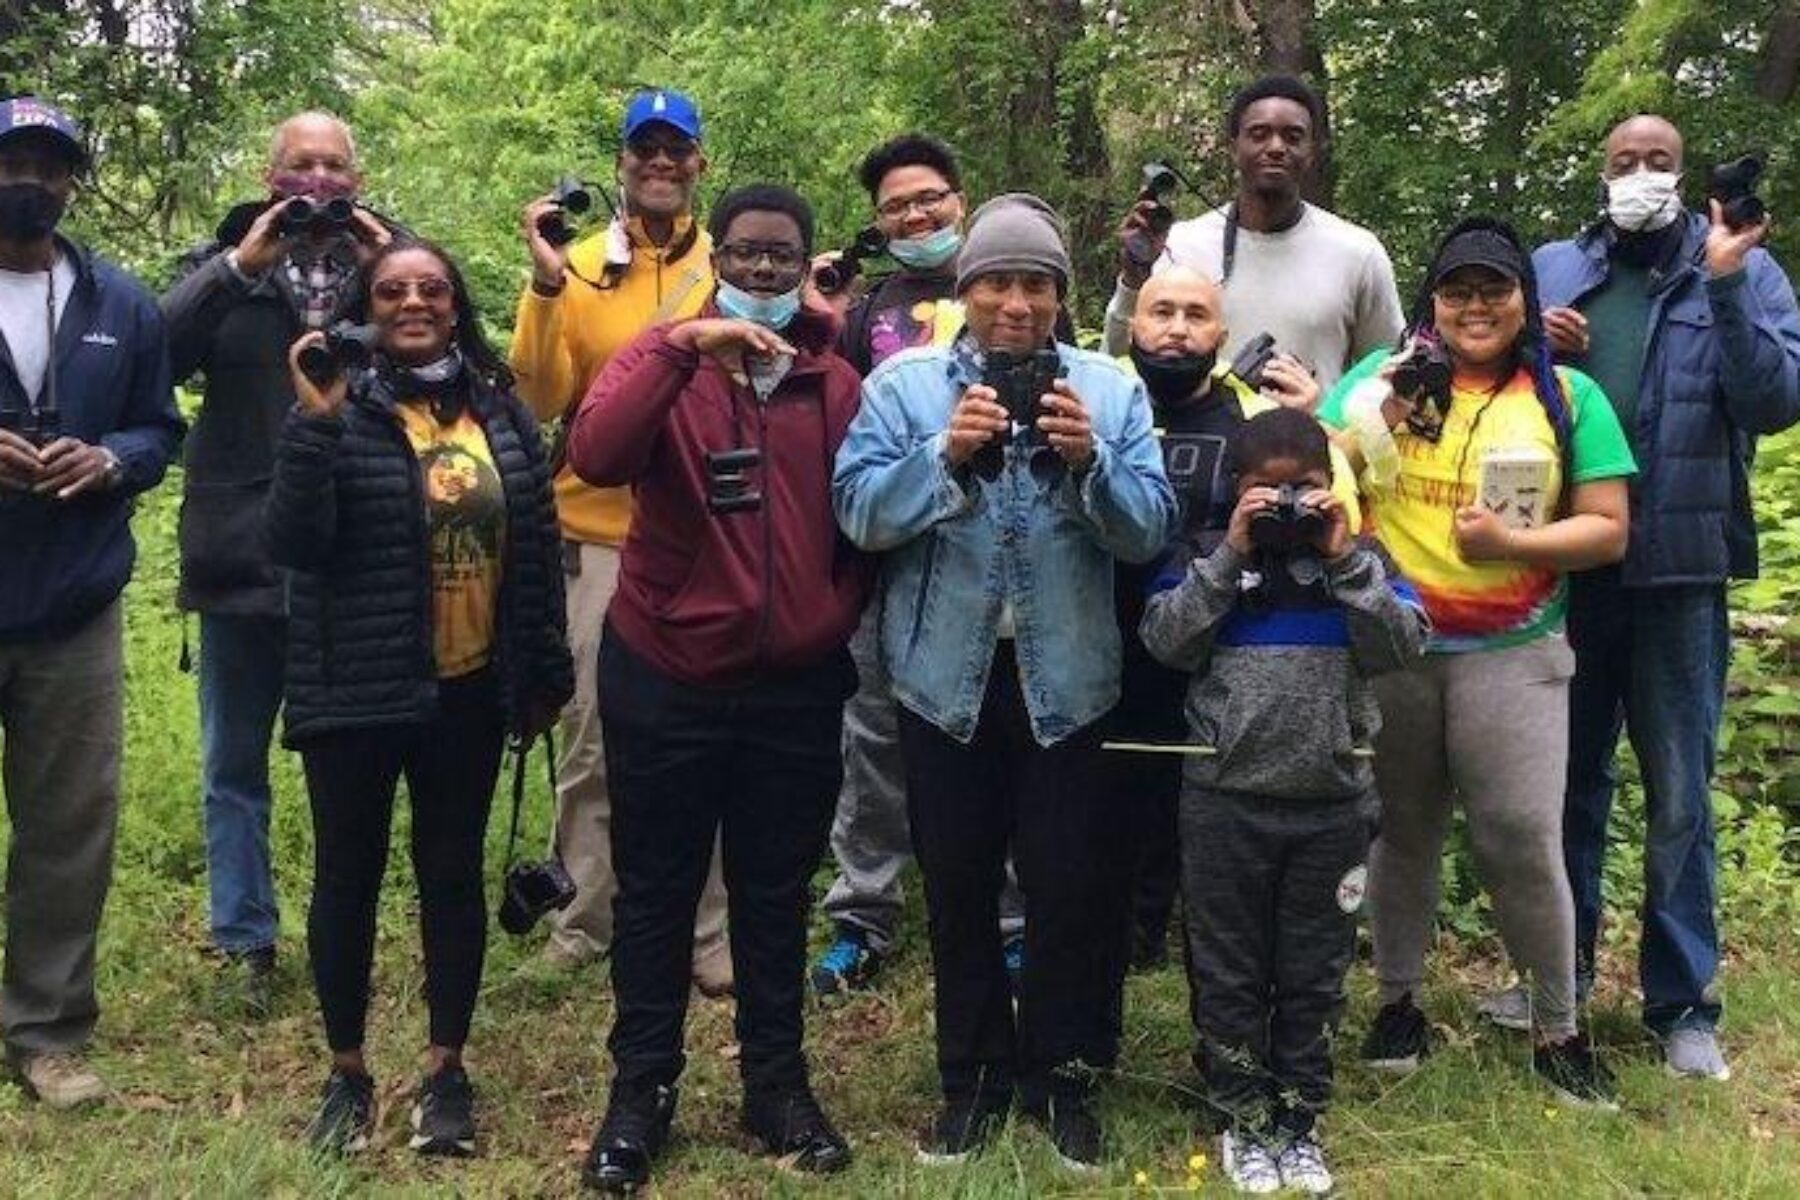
x: 969, y: 805
x: 1272, y: 888
x: 758, y: 768
x: 1146, y: 788
x: 450, y: 765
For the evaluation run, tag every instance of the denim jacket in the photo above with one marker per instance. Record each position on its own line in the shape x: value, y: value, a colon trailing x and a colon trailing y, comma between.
x: 959, y: 549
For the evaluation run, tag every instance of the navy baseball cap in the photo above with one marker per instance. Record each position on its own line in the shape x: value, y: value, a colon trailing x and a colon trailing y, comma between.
x: 23, y: 115
x: 660, y: 104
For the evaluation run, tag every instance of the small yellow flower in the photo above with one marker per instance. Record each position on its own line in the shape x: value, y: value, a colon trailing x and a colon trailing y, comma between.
x: 1141, y: 1179
x: 1550, y: 1114
x: 1197, y: 1163
x: 1193, y: 1183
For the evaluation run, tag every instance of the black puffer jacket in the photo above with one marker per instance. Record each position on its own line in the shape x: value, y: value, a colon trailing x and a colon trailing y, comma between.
x: 346, y: 514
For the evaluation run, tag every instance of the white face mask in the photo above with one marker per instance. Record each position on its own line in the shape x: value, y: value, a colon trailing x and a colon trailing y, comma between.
x: 1643, y: 201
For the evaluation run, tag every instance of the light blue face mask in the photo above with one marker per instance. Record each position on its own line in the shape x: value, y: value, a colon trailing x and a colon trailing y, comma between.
x: 925, y: 253
x: 771, y: 312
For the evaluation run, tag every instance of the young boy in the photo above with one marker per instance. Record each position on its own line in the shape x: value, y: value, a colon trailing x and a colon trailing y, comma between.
x: 1282, y: 626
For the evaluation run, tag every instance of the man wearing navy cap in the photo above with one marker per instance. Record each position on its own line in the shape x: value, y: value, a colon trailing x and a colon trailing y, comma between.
x: 87, y: 421
x: 585, y: 302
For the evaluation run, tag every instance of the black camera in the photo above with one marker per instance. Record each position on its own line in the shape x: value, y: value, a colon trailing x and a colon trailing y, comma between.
x: 530, y: 890
x: 834, y: 277
x: 39, y: 426
x: 729, y: 487
x: 1288, y: 525
x: 1160, y: 181
x: 1251, y: 358
x: 1423, y: 377
x: 1733, y: 185
x: 347, y: 345
x: 570, y: 195
x: 303, y: 214
x: 1020, y: 382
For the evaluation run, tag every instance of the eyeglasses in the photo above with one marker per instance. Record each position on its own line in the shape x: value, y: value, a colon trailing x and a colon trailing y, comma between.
x: 926, y: 202
x: 677, y: 150
x: 745, y: 255
x: 429, y: 287
x: 1458, y: 295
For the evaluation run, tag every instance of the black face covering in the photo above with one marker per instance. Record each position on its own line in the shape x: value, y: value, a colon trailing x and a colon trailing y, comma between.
x: 440, y: 382
x: 28, y: 211
x: 1172, y: 378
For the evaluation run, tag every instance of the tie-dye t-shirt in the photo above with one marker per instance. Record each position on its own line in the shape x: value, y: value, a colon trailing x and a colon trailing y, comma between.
x: 1487, y: 605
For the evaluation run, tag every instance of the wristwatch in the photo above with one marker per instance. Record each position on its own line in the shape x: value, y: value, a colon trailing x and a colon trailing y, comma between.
x: 114, y: 473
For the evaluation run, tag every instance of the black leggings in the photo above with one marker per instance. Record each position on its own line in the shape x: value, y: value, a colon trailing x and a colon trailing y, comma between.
x: 450, y: 766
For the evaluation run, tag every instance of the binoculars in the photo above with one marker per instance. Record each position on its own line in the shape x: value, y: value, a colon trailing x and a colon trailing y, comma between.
x: 1160, y: 181
x: 347, y: 345
x: 834, y: 277
x: 570, y: 195
x: 1020, y: 381
x: 303, y: 213
x: 39, y: 426
x: 1288, y: 525
x: 729, y: 488
x: 1733, y: 185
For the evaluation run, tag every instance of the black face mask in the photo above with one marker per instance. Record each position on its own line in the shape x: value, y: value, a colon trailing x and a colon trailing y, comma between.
x: 1172, y: 378
x: 28, y: 211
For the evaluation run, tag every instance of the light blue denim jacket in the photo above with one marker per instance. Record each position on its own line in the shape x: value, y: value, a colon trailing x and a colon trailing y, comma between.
x: 958, y: 548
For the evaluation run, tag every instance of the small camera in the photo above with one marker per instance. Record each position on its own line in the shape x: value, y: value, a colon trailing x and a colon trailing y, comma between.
x: 530, y: 890
x: 1423, y: 376
x: 1733, y: 185
x: 1251, y: 358
x: 834, y: 277
x: 570, y: 195
x: 1020, y: 382
x: 304, y: 214
x: 39, y: 426
x: 1287, y: 525
x: 729, y: 486
x: 347, y: 346
x: 1159, y: 185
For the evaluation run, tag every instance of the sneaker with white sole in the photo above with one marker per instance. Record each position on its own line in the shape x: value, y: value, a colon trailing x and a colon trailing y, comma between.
x: 60, y: 1080
x: 1301, y: 1165
x: 1399, y: 1039
x: 1695, y: 1054
x: 1248, y: 1164
x: 443, y: 1114
x: 1576, y: 1074
x: 1509, y: 1008
x: 345, y: 1119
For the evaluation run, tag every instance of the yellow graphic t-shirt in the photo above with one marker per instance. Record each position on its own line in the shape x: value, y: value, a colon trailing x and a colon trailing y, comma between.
x: 465, y: 521
x: 1484, y: 605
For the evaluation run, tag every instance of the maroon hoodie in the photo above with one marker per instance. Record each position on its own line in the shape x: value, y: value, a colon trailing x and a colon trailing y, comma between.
x: 719, y: 598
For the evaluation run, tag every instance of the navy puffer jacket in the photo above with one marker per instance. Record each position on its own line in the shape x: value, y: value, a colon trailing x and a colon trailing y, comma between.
x: 346, y: 514
x: 1721, y: 367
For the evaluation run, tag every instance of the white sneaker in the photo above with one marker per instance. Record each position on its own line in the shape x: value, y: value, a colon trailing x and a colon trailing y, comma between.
x: 1509, y: 1008
x: 1249, y: 1165
x: 1695, y: 1054
x: 1301, y: 1164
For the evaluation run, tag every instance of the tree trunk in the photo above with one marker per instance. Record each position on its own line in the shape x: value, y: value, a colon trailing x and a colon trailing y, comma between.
x: 1778, y: 68
x: 1287, y: 43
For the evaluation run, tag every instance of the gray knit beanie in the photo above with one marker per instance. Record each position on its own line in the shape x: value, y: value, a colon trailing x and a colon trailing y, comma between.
x: 1013, y: 232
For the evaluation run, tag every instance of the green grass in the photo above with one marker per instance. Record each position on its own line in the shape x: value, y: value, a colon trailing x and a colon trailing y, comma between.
x: 209, y: 1105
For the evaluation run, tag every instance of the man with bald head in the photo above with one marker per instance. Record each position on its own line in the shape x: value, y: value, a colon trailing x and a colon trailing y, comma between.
x: 239, y: 304
x: 1691, y: 329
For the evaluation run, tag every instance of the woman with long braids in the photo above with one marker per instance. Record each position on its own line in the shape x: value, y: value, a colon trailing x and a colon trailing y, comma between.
x: 412, y: 503
x: 1487, y: 489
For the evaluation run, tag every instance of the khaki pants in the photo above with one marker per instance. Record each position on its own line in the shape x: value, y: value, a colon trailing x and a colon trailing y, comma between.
x: 583, y: 809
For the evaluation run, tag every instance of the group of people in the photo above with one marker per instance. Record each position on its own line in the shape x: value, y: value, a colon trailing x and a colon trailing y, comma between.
x: 899, y: 570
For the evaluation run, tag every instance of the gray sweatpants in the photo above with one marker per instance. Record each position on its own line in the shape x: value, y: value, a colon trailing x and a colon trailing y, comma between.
x: 1489, y: 729
x: 870, y: 837
x: 62, y: 720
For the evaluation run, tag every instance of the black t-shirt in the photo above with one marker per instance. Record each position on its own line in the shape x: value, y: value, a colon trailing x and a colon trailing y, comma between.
x: 908, y: 309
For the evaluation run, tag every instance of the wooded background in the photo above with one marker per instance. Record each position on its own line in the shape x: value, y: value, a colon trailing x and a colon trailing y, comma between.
x: 466, y: 108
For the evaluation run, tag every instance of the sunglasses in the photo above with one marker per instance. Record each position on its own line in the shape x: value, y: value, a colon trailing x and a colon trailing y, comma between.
x: 676, y: 150
x: 1460, y: 295
x: 429, y: 287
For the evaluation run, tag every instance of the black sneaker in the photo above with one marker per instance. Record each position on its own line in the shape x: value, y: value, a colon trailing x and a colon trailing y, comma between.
x: 1074, y: 1130
x: 629, y: 1138
x: 346, y: 1117
x: 792, y: 1127
x: 1576, y: 1074
x: 443, y: 1114
x: 961, y: 1128
x: 1400, y: 1038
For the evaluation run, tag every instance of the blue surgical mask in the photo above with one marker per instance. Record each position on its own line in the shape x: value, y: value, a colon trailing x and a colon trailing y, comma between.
x: 771, y: 312
x: 925, y: 253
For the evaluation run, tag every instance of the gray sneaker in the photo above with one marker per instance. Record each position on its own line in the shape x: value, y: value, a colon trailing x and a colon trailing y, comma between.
x: 1695, y: 1054
x: 1509, y: 1008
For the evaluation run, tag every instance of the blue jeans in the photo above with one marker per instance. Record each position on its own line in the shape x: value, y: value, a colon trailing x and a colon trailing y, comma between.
x: 1652, y: 661
x: 241, y: 662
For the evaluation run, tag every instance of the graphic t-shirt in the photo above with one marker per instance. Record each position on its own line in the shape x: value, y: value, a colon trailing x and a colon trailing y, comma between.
x: 898, y: 313
x: 1487, y: 605
x: 465, y: 522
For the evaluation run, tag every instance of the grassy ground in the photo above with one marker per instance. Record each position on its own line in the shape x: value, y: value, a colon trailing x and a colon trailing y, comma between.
x: 211, y: 1105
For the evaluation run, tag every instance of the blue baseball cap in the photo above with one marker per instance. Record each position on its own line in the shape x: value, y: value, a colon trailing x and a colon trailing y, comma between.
x: 660, y: 104
x: 22, y: 115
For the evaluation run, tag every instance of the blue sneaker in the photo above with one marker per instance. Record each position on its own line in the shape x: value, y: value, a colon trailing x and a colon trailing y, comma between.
x: 849, y: 964
x: 1014, y: 950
